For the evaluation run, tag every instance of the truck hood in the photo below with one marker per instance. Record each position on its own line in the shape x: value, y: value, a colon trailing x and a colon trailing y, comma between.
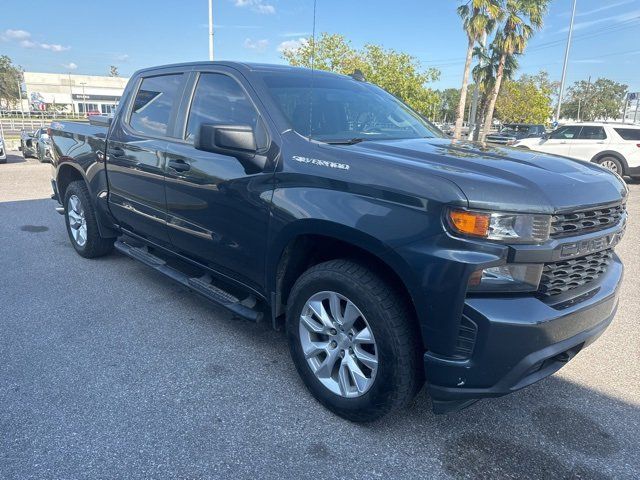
x: 501, y: 178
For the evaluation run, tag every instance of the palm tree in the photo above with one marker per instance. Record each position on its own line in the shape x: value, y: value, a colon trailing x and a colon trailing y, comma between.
x: 522, y: 19
x: 484, y: 75
x: 478, y: 17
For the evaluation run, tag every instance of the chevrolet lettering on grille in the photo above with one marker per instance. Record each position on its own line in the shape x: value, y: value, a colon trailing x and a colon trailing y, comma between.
x: 586, y: 247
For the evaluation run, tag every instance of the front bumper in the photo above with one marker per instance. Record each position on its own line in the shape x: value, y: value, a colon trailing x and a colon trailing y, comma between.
x: 519, y: 341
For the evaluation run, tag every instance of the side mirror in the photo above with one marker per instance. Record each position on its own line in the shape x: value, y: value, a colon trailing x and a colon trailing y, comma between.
x: 238, y: 141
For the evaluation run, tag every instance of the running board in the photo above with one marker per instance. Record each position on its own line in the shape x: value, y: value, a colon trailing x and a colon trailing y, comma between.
x: 202, y: 285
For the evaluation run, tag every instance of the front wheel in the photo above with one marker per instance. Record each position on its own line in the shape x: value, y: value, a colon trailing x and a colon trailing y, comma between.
x: 353, y: 340
x: 81, y: 222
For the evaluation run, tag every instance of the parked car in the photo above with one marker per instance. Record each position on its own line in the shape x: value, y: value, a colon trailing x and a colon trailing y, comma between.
x: 3, y: 151
x: 390, y: 254
x: 512, y: 132
x: 615, y: 146
x: 28, y: 144
x: 43, y: 145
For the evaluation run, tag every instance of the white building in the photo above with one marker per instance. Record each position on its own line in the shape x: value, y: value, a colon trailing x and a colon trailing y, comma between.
x: 71, y: 93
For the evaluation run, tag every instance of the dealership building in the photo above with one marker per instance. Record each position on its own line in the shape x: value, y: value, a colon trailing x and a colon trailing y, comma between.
x: 71, y: 93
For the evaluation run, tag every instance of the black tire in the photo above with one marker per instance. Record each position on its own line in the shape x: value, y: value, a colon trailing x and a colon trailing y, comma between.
x: 95, y: 245
x: 400, y: 373
x: 611, y: 161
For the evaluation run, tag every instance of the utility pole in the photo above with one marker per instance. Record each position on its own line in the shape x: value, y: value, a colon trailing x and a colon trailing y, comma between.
x: 210, y: 30
x: 476, y: 92
x: 20, y: 95
x: 566, y: 61
x: 84, y: 98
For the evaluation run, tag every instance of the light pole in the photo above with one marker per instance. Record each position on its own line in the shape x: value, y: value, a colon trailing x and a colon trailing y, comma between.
x: 210, y: 30
x: 566, y: 61
x: 84, y: 98
x: 73, y: 107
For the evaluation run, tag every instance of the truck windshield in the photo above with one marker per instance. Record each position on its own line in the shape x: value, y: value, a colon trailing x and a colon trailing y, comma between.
x: 334, y: 109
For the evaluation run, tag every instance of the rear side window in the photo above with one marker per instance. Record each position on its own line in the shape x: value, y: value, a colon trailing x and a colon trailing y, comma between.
x: 565, y: 133
x: 592, y: 133
x: 154, y: 103
x: 631, y: 134
x: 220, y: 100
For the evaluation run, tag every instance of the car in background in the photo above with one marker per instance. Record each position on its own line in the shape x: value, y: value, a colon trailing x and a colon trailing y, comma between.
x: 28, y: 143
x: 615, y: 146
x: 43, y: 145
x: 3, y: 151
x: 510, y: 133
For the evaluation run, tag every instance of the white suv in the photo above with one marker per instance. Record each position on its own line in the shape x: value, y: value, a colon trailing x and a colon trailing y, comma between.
x: 615, y: 146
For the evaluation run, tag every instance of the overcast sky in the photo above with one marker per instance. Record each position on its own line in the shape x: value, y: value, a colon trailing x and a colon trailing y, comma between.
x: 87, y: 36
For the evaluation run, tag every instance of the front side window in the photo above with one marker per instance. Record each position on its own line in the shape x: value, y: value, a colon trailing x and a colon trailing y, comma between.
x: 335, y: 109
x: 565, y: 133
x: 154, y: 102
x: 220, y: 100
x: 593, y: 133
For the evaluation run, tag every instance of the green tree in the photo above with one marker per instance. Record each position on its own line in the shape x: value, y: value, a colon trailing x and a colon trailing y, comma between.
x: 522, y: 18
x: 398, y: 73
x: 113, y: 71
x: 525, y: 100
x: 10, y: 79
x: 601, y: 100
x: 478, y: 19
x: 448, y: 108
x: 484, y: 74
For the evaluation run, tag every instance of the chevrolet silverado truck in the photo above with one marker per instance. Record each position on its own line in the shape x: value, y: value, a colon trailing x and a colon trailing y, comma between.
x: 392, y: 256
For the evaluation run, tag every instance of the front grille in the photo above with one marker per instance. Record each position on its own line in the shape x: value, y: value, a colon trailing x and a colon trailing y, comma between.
x: 561, y: 277
x: 578, y: 223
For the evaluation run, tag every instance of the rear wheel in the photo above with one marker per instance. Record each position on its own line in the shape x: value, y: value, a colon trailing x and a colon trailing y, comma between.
x: 611, y: 163
x: 353, y: 340
x: 81, y: 222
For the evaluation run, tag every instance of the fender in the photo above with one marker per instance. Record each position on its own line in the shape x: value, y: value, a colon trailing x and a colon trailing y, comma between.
x: 611, y: 153
x: 106, y: 223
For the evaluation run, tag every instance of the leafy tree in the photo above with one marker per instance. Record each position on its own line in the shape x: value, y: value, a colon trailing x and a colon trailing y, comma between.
x: 522, y: 18
x: 449, y: 101
x: 113, y: 71
x: 601, y: 100
x: 478, y: 19
x: 525, y: 100
x: 398, y: 73
x: 10, y: 79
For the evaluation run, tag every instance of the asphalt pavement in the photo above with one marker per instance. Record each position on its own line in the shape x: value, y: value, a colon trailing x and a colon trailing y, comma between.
x: 108, y: 370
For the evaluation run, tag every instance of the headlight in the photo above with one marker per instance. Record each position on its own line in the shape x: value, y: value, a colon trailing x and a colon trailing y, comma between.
x: 503, y: 227
x: 513, y: 278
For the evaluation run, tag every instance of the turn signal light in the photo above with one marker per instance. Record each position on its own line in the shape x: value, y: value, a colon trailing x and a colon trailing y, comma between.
x: 470, y: 223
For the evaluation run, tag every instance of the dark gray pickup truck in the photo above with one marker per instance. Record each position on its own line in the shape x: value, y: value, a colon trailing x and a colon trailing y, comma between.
x: 392, y: 256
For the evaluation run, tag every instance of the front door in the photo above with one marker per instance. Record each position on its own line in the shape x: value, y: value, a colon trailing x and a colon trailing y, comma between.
x: 590, y: 141
x: 560, y: 140
x: 136, y: 157
x: 218, y: 208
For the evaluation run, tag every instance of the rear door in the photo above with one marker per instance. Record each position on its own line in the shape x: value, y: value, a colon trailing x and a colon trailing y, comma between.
x: 560, y: 141
x: 136, y: 155
x: 218, y: 208
x: 590, y: 142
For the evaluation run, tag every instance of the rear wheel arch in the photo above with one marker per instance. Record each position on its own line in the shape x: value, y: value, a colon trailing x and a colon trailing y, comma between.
x: 67, y: 174
x: 611, y: 153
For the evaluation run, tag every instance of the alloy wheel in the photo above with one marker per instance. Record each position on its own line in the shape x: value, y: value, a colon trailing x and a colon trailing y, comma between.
x: 338, y: 344
x: 77, y: 220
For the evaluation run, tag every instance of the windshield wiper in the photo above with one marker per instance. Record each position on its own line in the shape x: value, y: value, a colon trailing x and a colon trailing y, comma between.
x: 351, y: 141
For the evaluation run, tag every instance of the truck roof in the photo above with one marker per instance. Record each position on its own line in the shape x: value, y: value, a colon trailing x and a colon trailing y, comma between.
x: 242, y: 66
